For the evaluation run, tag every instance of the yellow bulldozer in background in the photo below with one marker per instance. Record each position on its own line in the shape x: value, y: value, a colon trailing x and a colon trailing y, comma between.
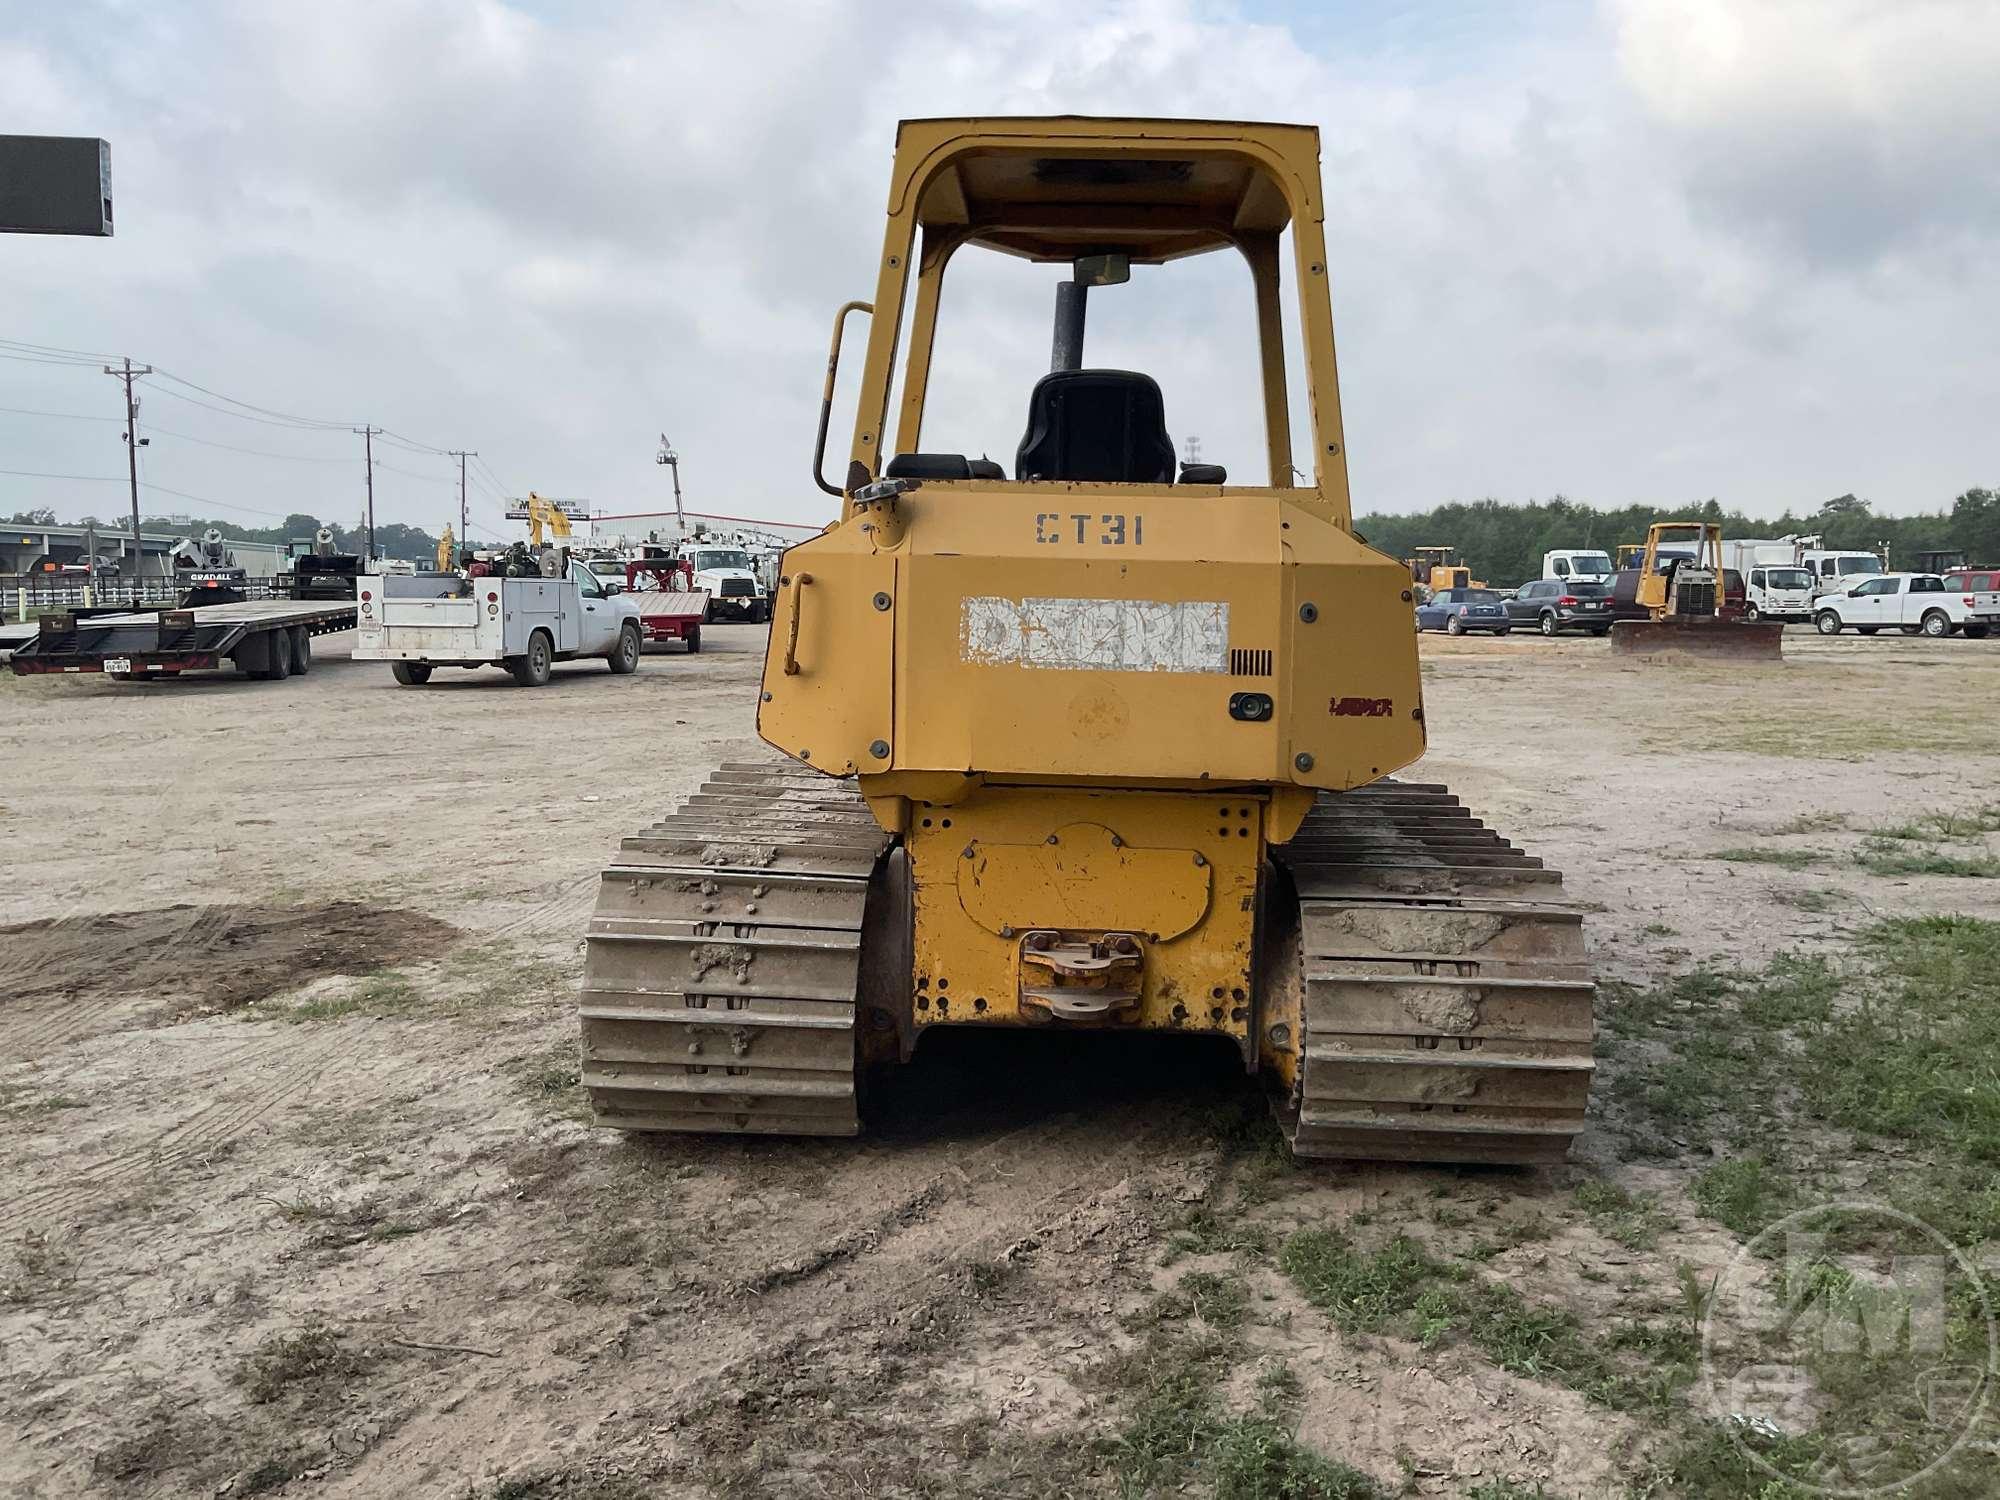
x: 1437, y: 568
x: 1103, y: 742
x: 1677, y: 579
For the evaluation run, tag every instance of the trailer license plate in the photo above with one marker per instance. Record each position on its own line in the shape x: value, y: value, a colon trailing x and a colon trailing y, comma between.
x: 117, y: 663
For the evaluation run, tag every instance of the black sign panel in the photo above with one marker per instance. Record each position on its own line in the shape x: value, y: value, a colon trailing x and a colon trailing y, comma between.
x: 55, y: 184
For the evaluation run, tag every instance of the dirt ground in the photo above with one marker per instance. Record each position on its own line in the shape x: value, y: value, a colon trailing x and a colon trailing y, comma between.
x: 297, y: 1197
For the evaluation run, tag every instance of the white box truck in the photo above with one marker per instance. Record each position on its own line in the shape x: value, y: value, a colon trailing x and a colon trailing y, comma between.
x: 419, y: 621
x: 1776, y: 585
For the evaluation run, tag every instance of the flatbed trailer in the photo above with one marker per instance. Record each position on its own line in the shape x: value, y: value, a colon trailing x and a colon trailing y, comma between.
x: 671, y: 608
x: 268, y: 639
x: 673, y: 616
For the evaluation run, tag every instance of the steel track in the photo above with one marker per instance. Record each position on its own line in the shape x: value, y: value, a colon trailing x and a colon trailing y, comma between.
x: 1447, y: 1006
x: 719, y: 990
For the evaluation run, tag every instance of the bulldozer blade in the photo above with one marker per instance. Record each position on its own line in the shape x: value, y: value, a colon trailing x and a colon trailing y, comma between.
x: 1735, y: 640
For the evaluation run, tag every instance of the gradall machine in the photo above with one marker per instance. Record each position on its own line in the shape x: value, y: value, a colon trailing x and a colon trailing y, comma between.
x: 1098, y: 743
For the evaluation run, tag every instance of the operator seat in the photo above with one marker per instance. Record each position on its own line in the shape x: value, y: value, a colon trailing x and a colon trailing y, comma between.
x: 1102, y: 426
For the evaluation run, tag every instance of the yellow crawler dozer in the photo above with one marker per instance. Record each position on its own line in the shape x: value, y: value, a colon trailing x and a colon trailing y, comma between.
x: 1105, y: 741
x: 1678, y: 581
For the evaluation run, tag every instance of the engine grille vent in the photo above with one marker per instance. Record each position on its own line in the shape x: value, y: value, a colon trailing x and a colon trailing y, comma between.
x: 1247, y: 663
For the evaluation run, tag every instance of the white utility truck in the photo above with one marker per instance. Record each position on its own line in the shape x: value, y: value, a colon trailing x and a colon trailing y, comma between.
x: 1914, y: 603
x: 1569, y: 565
x: 729, y: 577
x: 420, y: 621
x: 1836, y: 572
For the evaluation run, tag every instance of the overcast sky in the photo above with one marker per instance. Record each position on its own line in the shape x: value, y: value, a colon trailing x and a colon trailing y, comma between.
x: 1641, y: 250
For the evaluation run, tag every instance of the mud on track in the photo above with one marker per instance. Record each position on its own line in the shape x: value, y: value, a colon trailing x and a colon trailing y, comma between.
x: 232, y: 1227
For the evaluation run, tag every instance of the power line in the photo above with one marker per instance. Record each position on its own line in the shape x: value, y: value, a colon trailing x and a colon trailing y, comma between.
x: 186, y: 437
x: 411, y: 443
x: 413, y: 474
x: 160, y: 390
x: 144, y: 484
x: 68, y: 416
x: 248, y: 510
x: 83, y: 356
x: 264, y: 411
x: 29, y: 352
x: 86, y: 478
x: 43, y: 359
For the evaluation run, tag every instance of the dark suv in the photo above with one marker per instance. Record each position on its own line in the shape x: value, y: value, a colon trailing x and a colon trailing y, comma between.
x: 1553, y: 605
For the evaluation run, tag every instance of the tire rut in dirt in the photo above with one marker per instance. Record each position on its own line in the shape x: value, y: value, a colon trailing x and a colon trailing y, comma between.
x: 996, y: 1203
x: 724, y: 959
x: 1446, y: 1006
x: 76, y: 976
x: 295, y: 1063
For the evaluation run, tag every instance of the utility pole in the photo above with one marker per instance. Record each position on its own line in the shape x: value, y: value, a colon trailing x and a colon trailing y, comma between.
x: 368, y: 449
x: 462, y: 454
x: 132, y: 440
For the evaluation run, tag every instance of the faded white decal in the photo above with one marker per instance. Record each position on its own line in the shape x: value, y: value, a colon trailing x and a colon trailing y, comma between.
x: 1096, y: 635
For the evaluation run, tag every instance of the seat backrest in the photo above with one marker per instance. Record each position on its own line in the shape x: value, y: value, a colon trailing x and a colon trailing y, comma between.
x: 1109, y: 426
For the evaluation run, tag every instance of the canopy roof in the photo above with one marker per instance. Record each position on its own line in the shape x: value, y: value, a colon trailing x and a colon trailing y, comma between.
x: 1155, y: 190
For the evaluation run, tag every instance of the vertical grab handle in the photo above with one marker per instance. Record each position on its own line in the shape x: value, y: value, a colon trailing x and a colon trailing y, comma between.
x: 826, y: 394
x: 799, y: 582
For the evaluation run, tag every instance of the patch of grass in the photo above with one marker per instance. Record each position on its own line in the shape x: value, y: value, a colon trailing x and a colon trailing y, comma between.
x: 1207, y: 1232
x: 1174, y: 1419
x: 571, y: 1484
x: 476, y: 981
x: 1401, y: 1288
x: 377, y: 995
x: 1708, y: 1459
x: 1784, y: 859
x: 306, y: 1361
x: 1792, y: 991
x: 1219, y: 1301
x: 274, y: 1472
x: 1743, y: 1194
x: 1812, y: 822
x: 1811, y: 901
x: 1932, y: 827
x: 1901, y: 1049
x: 1886, y: 859
x: 1509, y: 1489
x: 1634, y: 1222
x: 1658, y: 929
x: 1253, y: 1458
x: 1278, y: 1389
x: 1358, y: 1290
x: 168, y: 1439
x: 1690, y: 1064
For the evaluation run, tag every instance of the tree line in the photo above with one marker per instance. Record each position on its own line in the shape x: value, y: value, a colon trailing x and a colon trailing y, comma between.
x: 1503, y: 543
x: 392, y: 539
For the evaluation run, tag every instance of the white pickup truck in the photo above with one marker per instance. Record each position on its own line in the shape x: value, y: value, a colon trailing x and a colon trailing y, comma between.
x: 418, y: 621
x: 1911, y: 602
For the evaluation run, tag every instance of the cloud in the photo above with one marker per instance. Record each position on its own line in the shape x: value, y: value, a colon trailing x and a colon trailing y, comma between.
x: 1636, y: 254
x: 1846, y: 130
